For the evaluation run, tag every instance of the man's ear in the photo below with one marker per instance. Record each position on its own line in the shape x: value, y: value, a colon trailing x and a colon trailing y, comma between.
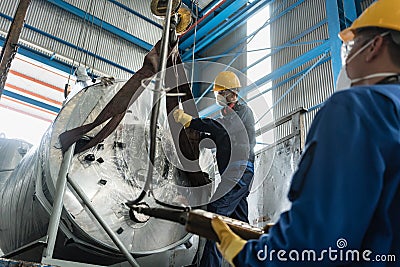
x: 375, y: 48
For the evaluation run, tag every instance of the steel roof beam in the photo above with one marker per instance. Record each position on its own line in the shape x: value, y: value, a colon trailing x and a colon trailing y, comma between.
x: 69, y: 45
x: 349, y: 8
x: 30, y: 53
x: 239, y: 20
x: 215, y: 58
x: 104, y: 25
x: 294, y: 76
x: 288, y: 43
x: 135, y: 13
x: 31, y: 101
x: 291, y: 88
x: 203, y: 31
x: 297, y: 62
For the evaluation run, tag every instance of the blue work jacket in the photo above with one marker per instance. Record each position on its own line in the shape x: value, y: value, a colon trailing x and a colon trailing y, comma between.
x: 345, y: 193
x: 233, y: 135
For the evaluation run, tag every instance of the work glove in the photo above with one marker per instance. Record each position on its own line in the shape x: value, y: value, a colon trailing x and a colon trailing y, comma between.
x: 181, y: 117
x: 230, y: 243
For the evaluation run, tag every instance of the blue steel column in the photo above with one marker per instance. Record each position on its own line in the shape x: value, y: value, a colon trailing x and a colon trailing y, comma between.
x: 332, y: 13
x: 350, y: 9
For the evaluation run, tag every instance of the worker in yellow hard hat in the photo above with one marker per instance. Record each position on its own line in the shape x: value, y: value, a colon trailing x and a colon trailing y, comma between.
x: 233, y: 136
x: 375, y: 20
x: 345, y: 193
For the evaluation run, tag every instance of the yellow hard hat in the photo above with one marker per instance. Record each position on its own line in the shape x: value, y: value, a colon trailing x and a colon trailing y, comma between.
x: 382, y: 13
x: 226, y: 80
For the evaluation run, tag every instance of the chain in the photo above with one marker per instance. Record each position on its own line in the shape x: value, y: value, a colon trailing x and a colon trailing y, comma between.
x: 3, y: 76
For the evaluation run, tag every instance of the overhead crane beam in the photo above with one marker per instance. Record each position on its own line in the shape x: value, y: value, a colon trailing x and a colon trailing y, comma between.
x: 224, y: 29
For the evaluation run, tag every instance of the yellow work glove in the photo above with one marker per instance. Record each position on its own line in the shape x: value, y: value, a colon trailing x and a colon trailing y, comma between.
x: 181, y: 117
x: 230, y: 243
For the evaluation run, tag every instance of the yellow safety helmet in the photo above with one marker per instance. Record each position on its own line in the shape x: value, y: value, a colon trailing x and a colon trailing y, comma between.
x: 226, y: 80
x: 382, y: 13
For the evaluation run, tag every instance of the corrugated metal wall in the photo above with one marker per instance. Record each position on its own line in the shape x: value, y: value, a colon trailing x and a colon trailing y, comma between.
x: 316, y: 86
x: 7, y: 7
x: 64, y: 25
x: 364, y: 4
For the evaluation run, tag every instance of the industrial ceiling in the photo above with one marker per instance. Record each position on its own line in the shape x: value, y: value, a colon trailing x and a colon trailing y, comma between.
x: 111, y: 37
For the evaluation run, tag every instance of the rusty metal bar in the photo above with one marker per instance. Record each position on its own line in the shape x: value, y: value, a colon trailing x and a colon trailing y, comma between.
x: 11, y: 44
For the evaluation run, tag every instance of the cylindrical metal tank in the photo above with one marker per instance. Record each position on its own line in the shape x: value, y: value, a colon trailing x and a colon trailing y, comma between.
x: 11, y: 151
x: 110, y: 174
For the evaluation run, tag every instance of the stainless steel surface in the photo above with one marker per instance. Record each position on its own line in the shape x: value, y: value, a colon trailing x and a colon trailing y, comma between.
x: 117, y: 173
x: 104, y: 225
x: 114, y: 176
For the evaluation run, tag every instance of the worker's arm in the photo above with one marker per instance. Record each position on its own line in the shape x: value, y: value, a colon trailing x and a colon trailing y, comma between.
x: 202, y: 125
x: 208, y: 125
x: 334, y: 192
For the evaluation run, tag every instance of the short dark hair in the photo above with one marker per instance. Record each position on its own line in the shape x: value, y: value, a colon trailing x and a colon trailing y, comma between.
x: 393, y: 40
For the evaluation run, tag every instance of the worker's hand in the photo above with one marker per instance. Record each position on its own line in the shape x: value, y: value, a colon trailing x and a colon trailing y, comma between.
x: 230, y: 244
x: 181, y: 117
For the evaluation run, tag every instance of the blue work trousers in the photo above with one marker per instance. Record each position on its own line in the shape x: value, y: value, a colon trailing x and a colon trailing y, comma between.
x: 234, y: 205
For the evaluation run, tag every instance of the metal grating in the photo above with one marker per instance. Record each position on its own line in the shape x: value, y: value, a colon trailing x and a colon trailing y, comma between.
x: 317, y: 85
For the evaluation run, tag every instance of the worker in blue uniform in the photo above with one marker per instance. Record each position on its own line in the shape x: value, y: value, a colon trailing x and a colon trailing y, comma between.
x: 233, y: 135
x: 345, y: 193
